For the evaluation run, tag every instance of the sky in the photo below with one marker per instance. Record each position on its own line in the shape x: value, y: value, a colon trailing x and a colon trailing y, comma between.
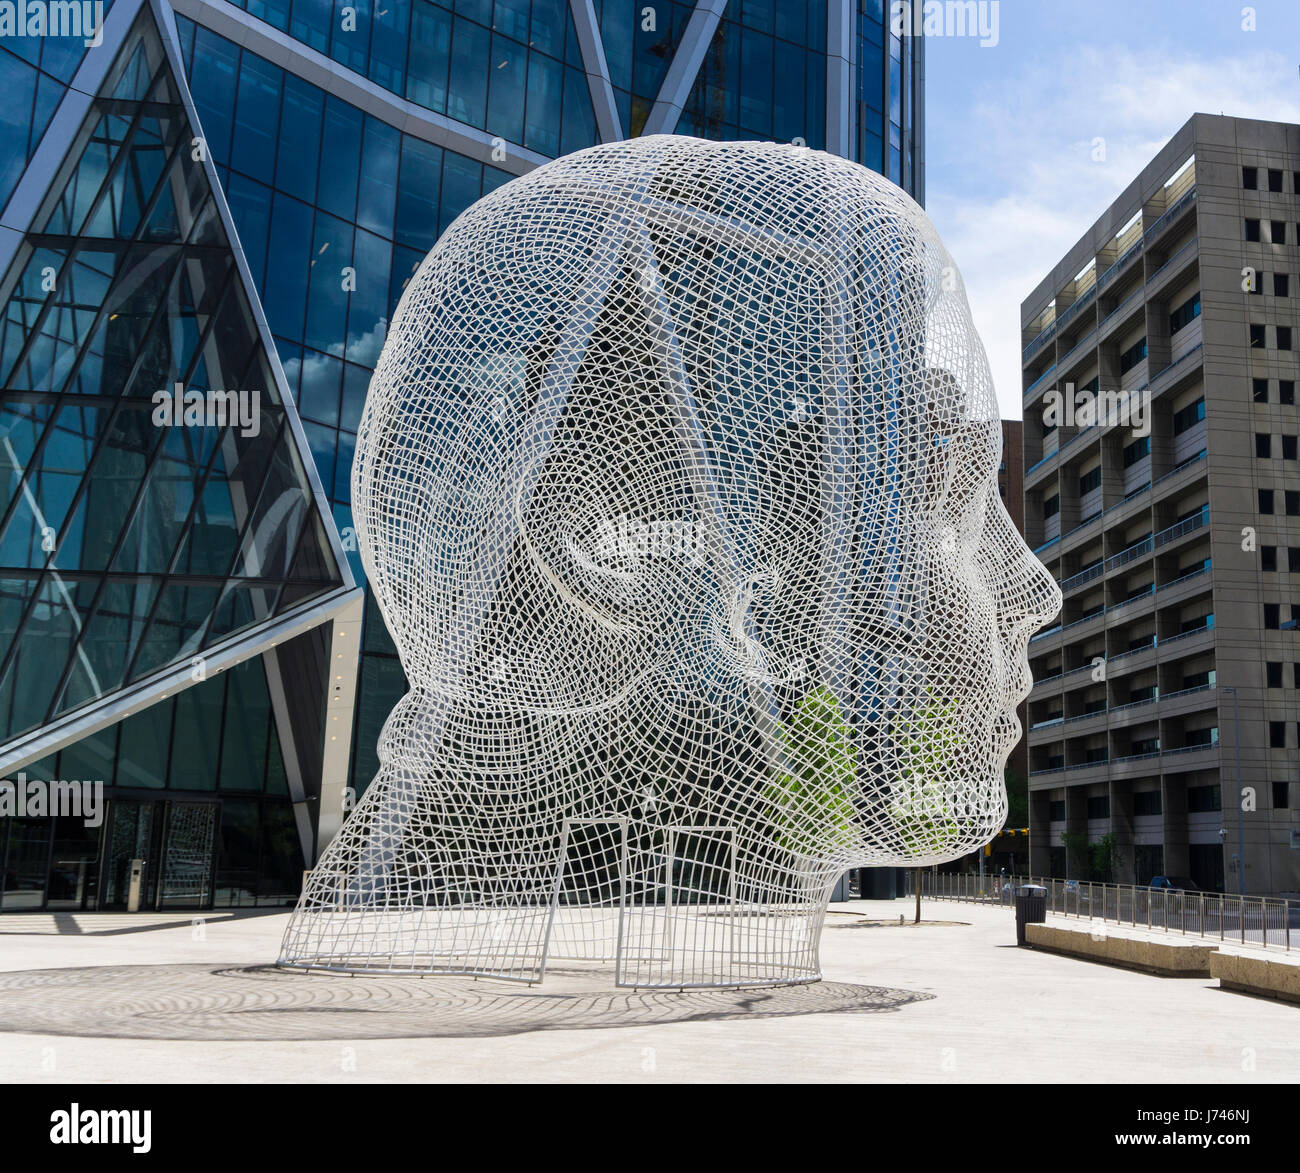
x: 1011, y: 128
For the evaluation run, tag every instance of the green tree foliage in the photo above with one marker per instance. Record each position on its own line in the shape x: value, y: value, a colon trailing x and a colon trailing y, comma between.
x: 809, y: 806
x: 927, y: 742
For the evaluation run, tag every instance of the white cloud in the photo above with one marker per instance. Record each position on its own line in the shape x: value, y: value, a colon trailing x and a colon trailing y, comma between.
x: 1024, y: 185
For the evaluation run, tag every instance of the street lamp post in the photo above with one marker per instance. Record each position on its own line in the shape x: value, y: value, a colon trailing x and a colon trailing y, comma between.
x: 1236, y: 743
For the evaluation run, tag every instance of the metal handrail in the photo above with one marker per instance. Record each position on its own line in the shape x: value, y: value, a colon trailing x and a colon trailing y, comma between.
x: 1134, y: 298
x: 1173, y: 260
x: 1040, y: 340
x: 1261, y: 921
x: 1121, y: 263
x: 1129, y: 554
x: 1075, y: 306
x: 1132, y: 495
x: 1133, y: 651
x: 1096, y: 570
x: 1182, y: 528
x: 1045, y: 375
x: 1169, y: 639
x: 1171, y: 213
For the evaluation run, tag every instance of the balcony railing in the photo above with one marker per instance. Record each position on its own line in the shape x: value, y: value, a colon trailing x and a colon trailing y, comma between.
x: 1173, y: 639
x: 1039, y: 341
x: 1182, y: 578
x: 1124, y: 307
x: 1171, y: 214
x: 1121, y: 263
x: 1178, y: 362
x: 1176, y: 259
x: 1124, y: 557
x: 1133, y: 651
x: 1090, y: 338
x: 1173, y: 472
x: 1047, y: 374
x: 1146, y: 594
x: 1083, y: 577
x: 1072, y: 310
x: 1181, y: 529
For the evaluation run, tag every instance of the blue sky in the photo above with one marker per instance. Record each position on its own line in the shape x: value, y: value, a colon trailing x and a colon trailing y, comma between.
x: 1011, y: 182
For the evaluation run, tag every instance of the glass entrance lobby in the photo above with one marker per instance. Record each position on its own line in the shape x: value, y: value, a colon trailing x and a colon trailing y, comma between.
x: 193, y: 854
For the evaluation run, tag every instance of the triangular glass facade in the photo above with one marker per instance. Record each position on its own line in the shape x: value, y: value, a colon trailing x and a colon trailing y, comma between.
x: 137, y: 533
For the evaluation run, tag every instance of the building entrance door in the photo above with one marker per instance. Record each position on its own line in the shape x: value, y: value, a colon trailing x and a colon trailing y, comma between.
x: 174, y: 839
x: 129, y: 836
x: 187, y: 855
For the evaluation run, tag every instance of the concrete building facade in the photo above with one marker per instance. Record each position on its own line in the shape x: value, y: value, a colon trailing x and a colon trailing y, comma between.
x: 1162, y: 490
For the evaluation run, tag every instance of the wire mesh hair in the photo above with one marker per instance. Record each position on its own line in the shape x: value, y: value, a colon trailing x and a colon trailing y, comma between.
x: 676, y: 487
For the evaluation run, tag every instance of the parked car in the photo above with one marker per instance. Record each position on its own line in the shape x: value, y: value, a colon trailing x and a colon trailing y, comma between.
x: 1178, y: 883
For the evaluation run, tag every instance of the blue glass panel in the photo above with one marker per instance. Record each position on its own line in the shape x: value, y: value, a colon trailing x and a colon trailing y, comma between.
x: 247, y: 724
x: 462, y: 181
x: 18, y: 83
x: 417, y: 194
x: 895, y: 91
x: 405, y: 262
x: 756, y: 83
x: 789, y: 120
x: 426, y: 81
x: 549, y: 20
x: 790, y: 19
x: 250, y: 208
x: 323, y: 447
x: 757, y: 14
x: 310, y: 23
x: 616, y: 32
x: 377, y: 193
x: 196, y: 747
x: 467, y: 87
x: 285, y: 298
x: 388, y: 41
x: 510, y: 18
x: 213, y: 82
x: 327, y: 293
x: 300, y: 138
x: 542, y: 127
x: 368, y: 308
x: 356, y: 382
x: 349, y: 39
x: 274, y: 12
x: 509, y: 67
x: 343, y: 467
x: 142, y: 753
x: 318, y: 398
x: 337, y: 189
x: 256, y: 118
x: 579, y: 129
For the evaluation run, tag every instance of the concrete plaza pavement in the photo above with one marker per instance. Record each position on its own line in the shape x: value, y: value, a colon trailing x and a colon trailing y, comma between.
x: 952, y: 1000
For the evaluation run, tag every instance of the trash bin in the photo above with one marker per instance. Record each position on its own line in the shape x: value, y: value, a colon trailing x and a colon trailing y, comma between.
x: 1031, y: 908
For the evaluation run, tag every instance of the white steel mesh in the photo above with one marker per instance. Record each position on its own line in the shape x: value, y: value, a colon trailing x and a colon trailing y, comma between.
x: 676, y: 486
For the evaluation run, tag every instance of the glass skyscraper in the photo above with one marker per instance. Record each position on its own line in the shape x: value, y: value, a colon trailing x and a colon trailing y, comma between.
x: 215, y: 210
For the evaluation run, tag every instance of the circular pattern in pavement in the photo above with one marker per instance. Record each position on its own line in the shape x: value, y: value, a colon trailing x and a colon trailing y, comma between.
x: 262, y: 1002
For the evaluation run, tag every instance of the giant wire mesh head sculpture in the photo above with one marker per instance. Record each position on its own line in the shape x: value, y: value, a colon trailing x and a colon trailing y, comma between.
x: 676, y: 488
